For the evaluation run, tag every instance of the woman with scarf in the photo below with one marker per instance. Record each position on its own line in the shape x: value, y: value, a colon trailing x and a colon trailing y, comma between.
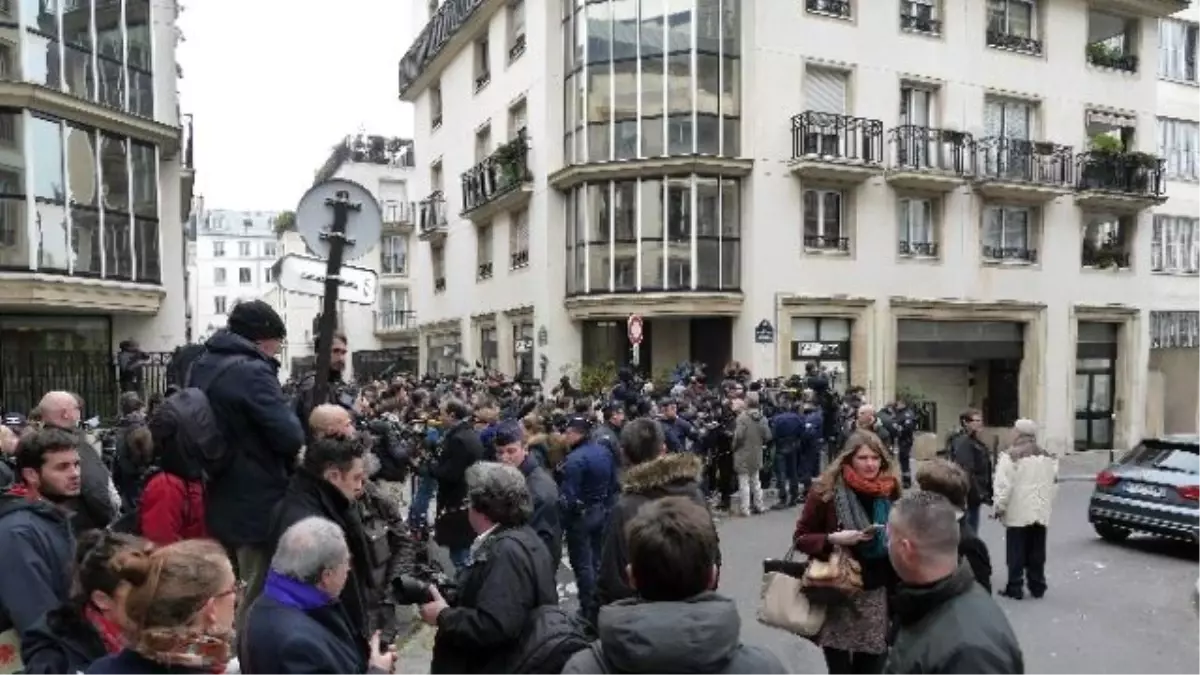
x: 179, y: 610
x: 88, y: 626
x: 848, y: 506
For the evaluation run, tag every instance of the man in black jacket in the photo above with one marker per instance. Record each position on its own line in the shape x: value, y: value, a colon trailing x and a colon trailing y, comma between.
x: 337, y: 392
x: 651, y: 474
x: 946, y: 622
x: 326, y: 485
x: 460, y: 449
x: 969, y: 452
x: 545, y: 520
x: 95, y: 507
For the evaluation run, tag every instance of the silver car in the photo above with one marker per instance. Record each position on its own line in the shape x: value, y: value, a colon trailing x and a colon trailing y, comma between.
x: 1153, y: 489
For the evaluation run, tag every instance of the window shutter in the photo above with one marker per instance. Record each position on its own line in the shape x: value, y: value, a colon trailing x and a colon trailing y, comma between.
x: 825, y: 91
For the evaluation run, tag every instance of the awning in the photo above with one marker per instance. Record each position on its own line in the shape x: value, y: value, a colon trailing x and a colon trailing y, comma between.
x: 1112, y: 119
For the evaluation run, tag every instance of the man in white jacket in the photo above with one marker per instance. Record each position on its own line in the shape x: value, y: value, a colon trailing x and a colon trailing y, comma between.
x: 1024, y: 487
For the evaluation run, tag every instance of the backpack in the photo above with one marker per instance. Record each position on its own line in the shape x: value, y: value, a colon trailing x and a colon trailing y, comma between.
x: 552, y: 635
x: 185, y: 424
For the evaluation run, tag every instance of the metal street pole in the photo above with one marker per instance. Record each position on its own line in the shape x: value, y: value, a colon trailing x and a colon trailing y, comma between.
x: 337, y: 239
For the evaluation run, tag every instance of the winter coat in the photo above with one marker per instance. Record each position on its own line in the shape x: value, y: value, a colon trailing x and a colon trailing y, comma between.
x: 818, y: 519
x: 589, y: 477
x: 1025, y: 486
x: 39, y: 549
x: 8, y: 474
x: 953, y: 626
x: 699, y: 635
x: 97, y: 505
x: 263, y: 435
x: 972, y: 455
x: 545, y: 519
x: 282, y: 639
x: 508, y: 576
x: 461, y: 448
x: 171, y: 510
x: 62, y: 641
x: 677, y: 432
x: 127, y: 472
x: 750, y: 433
x: 129, y: 662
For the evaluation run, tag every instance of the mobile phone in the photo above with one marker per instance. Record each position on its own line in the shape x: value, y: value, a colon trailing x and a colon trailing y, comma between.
x: 872, y: 529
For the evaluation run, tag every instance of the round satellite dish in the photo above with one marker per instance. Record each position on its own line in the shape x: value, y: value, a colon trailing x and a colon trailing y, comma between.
x: 314, y: 218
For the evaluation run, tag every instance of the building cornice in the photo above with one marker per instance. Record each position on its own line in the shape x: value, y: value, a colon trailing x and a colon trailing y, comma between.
x: 42, y: 292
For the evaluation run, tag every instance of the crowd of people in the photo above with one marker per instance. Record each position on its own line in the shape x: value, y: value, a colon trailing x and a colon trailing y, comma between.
x: 241, y: 525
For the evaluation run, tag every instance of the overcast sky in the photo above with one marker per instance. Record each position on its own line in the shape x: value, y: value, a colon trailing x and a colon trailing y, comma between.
x: 273, y: 84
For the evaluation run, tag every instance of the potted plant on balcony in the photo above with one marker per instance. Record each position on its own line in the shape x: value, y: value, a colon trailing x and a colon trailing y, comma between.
x: 1099, y: 166
x: 509, y: 158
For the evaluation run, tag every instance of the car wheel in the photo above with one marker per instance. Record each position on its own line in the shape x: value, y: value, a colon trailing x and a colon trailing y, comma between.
x: 1110, y: 532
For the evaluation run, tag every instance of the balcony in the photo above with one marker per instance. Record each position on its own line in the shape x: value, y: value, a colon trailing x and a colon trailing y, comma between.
x: 431, y: 219
x: 836, y: 148
x: 1104, y: 258
x: 397, y: 215
x: 484, y: 271
x: 927, y: 159
x: 517, y: 48
x: 918, y: 249
x: 1104, y: 56
x: 835, y: 8
x: 1009, y: 254
x: 518, y: 260
x: 820, y: 244
x: 499, y: 183
x: 1022, y: 171
x: 1121, y: 182
x: 1002, y: 39
x: 395, y: 321
x: 449, y: 31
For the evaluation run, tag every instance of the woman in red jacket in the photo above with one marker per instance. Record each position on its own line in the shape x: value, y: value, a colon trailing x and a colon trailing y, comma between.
x: 172, y: 505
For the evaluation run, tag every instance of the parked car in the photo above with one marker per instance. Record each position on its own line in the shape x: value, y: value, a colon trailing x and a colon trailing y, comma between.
x: 1153, y: 489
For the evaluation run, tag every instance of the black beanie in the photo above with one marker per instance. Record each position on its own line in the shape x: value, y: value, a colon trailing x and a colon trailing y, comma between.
x: 256, y: 320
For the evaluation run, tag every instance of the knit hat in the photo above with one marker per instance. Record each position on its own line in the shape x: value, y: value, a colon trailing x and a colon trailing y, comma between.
x: 256, y: 320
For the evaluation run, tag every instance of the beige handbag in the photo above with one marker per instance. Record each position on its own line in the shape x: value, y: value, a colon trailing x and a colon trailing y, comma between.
x: 10, y: 652
x: 783, y: 605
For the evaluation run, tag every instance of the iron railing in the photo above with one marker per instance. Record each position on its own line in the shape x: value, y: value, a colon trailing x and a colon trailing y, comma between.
x: 517, y: 48
x: 498, y: 174
x: 1014, y: 159
x: 840, y: 8
x: 397, y: 213
x: 439, y: 284
x: 484, y: 272
x: 927, y: 249
x: 1130, y: 172
x: 1017, y: 43
x: 384, y: 364
x: 1101, y: 54
x: 432, y: 213
x: 1010, y: 253
x: 1104, y: 258
x: 28, y: 374
x: 838, y: 137
x: 918, y: 17
x: 518, y: 259
x: 925, y: 148
x: 450, y: 16
x: 820, y: 243
x: 395, y: 319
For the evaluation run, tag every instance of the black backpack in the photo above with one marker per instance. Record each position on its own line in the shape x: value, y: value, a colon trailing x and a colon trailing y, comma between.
x: 552, y: 635
x: 185, y: 424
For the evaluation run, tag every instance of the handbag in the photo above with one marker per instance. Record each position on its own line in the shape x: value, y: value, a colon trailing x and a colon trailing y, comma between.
x: 783, y: 604
x: 833, y: 580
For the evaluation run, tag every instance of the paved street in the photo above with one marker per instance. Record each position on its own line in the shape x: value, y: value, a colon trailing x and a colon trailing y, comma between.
x: 1110, y: 608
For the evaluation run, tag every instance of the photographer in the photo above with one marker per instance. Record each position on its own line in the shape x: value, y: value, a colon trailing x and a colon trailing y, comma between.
x: 510, y: 575
x: 460, y: 449
x: 131, y: 361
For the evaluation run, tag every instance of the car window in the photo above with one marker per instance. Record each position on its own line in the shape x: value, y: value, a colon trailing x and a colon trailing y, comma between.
x: 1166, y: 457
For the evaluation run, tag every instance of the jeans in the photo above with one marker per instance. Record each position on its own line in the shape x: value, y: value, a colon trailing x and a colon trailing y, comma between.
x: 418, y: 511
x: 585, y: 541
x: 809, y: 463
x: 749, y: 492
x: 787, y: 473
x: 1025, y: 553
x: 905, y: 452
x: 972, y: 516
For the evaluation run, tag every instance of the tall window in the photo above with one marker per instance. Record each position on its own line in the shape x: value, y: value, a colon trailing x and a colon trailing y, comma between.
x: 269, y: 249
x: 918, y: 229
x: 1012, y: 17
x: 243, y: 249
x: 144, y: 162
x: 1175, y: 246
x: 648, y: 78
x: 483, y: 143
x: 218, y: 249
x: 1177, y: 48
x: 489, y: 352
x: 393, y: 307
x: 219, y: 304
x: 1007, y: 118
x: 435, y: 106
x: 823, y: 220
x: 517, y: 119
x: 516, y: 29
x: 219, y: 276
x: 1007, y: 233
x: 393, y: 252
x: 518, y: 239
x: 1179, y: 144
x: 245, y: 276
x: 483, y: 252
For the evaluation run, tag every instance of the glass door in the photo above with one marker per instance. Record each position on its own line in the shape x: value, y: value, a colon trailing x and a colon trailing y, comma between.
x: 1094, y: 408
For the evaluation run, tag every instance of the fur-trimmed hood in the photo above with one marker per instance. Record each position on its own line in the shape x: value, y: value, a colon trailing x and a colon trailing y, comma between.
x: 659, y: 473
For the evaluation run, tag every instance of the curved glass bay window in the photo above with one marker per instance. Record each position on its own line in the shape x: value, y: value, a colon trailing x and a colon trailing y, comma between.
x: 652, y: 235
x: 95, y: 199
x: 97, y: 50
x: 651, y: 78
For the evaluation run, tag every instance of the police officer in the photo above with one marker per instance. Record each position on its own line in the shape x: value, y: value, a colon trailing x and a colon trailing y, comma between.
x: 902, y: 424
x: 677, y: 430
x: 608, y: 434
x: 589, y: 483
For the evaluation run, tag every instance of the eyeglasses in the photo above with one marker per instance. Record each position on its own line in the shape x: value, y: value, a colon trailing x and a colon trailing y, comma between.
x: 238, y: 591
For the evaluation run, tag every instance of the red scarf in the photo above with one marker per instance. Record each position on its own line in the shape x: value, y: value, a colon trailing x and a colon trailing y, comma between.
x: 110, y: 632
x: 882, y: 485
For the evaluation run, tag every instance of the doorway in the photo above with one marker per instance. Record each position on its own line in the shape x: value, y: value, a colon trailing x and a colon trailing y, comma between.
x: 1095, y: 380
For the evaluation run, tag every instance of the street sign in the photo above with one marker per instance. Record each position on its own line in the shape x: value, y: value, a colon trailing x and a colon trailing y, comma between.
x: 364, y: 222
x: 764, y: 333
x: 306, y: 276
x: 634, y: 328
x: 524, y: 345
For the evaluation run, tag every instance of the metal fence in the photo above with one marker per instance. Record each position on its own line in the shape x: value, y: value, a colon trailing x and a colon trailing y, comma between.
x: 26, y: 375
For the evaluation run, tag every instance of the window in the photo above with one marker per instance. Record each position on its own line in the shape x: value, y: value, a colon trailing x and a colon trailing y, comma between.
x: 916, y: 106
x: 1175, y: 246
x: 269, y: 249
x: 838, y: 8
x: 219, y: 304
x: 243, y: 249
x: 920, y: 16
x: 219, y: 276
x: 435, y: 176
x: 489, y: 352
x: 435, y: 106
x: 517, y: 119
x: 483, y: 143
x: 1177, y: 50
x: 825, y: 90
x: 1013, y: 24
x: 483, y: 72
x: 483, y: 252
x: 918, y: 227
x: 393, y: 308
x: 245, y: 276
x: 523, y: 351
x: 823, y: 221
x: 1007, y: 118
x: 218, y: 249
x: 1106, y: 241
x: 1179, y: 144
x: 268, y: 275
x: 1007, y: 234
x: 438, y: 259
x: 518, y: 240
x: 516, y: 29
x: 393, y: 252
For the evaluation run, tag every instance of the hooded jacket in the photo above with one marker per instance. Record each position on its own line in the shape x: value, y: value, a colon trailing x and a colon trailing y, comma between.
x: 63, y: 641
x: 699, y: 635
x: 39, y: 549
x: 750, y: 433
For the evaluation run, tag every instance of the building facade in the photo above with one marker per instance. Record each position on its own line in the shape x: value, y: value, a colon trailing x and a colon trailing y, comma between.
x: 963, y: 202
x: 385, y: 333
x: 235, y: 252
x: 95, y: 180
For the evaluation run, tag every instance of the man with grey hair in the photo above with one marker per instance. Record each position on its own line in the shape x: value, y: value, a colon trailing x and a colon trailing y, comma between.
x: 947, y: 622
x: 750, y: 433
x: 1024, y: 487
x: 298, y: 624
x: 460, y: 448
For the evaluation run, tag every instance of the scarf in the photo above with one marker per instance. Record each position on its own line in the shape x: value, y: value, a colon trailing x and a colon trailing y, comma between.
x: 852, y: 515
x: 186, y: 649
x: 110, y: 632
x: 295, y: 594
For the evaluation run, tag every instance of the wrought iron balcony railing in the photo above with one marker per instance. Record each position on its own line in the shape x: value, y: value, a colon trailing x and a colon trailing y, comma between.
x: 837, y: 137
x: 1009, y: 254
x: 840, y: 8
x: 189, y: 134
x: 820, y: 243
x: 518, y: 259
x: 449, y: 18
x: 397, y: 212
x: 374, y: 149
x: 501, y: 172
x: 925, y: 148
x: 517, y: 48
x: 1129, y: 172
x: 1015, y: 159
x: 924, y: 249
x: 918, y: 18
x: 484, y: 272
x: 395, y: 319
x: 1017, y: 43
x: 439, y: 284
x: 431, y: 213
x: 1104, y: 258
x: 1100, y: 54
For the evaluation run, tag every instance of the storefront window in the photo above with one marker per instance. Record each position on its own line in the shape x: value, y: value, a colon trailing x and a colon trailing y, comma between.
x: 443, y: 352
x: 824, y: 341
x: 488, y: 349
x: 523, y: 351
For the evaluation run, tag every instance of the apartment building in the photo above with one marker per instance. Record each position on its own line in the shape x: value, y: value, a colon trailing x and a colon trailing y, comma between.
x: 384, y: 334
x: 967, y: 202
x: 95, y: 179
x: 235, y: 252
